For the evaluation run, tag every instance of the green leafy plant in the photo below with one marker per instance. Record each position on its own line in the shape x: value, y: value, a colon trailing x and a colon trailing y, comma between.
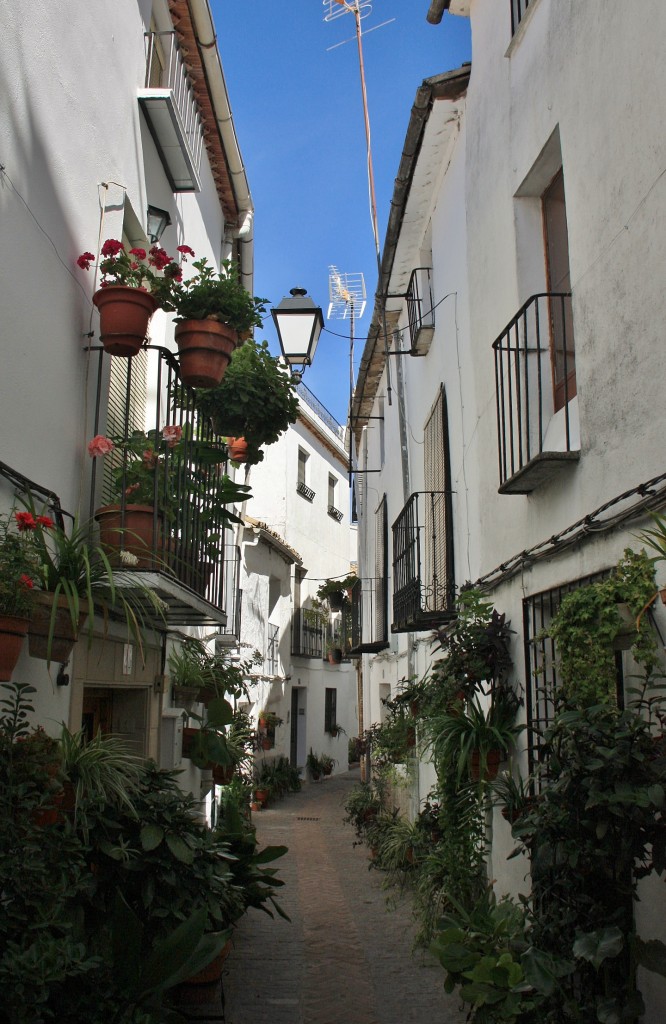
x: 213, y: 296
x: 102, y: 770
x: 314, y: 765
x: 255, y: 400
x: 588, y: 623
x: 458, y: 736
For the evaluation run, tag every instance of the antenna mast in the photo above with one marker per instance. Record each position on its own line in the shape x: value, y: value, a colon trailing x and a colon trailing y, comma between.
x: 347, y: 302
x: 361, y: 9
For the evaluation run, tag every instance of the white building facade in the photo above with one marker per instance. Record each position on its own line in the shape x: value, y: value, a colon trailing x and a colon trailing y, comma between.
x: 515, y: 423
x: 297, y: 534
x: 125, y: 113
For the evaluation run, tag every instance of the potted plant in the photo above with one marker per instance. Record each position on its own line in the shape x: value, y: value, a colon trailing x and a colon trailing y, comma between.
x: 256, y: 400
x: 125, y: 298
x: 268, y: 722
x: 186, y: 669
x: 474, y: 741
x: 156, y: 473
x: 334, y: 654
x: 18, y: 571
x: 335, y: 592
x: 336, y: 730
x: 327, y: 763
x: 74, y: 578
x: 214, y: 314
x: 314, y: 766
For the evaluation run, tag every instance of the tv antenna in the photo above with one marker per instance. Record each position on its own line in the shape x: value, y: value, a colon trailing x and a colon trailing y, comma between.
x: 361, y: 9
x: 346, y: 293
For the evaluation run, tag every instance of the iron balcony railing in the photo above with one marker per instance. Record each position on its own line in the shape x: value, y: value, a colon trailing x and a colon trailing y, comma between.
x: 335, y: 513
x: 179, y: 486
x: 233, y: 595
x: 518, y: 10
x: 534, y: 377
x: 320, y: 409
x: 369, y: 596
x: 172, y: 109
x: 305, y: 491
x: 420, y: 308
x: 423, y: 584
x: 307, y: 639
x: 272, y: 661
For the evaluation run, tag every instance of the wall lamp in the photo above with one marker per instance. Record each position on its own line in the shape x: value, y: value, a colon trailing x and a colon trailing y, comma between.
x: 157, y: 223
x: 298, y: 323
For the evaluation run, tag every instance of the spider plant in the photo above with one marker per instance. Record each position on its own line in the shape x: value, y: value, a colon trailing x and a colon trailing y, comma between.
x: 102, y: 770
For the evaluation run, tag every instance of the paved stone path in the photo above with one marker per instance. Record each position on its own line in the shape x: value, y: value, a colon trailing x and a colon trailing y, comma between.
x: 344, y: 958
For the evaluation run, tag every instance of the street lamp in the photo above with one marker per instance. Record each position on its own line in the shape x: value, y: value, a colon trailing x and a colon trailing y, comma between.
x: 158, y: 222
x: 298, y: 323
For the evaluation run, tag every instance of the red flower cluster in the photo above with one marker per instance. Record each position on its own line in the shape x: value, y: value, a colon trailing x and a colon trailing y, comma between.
x: 139, y: 253
x: 26, y: 521
x: 26, y: 582
x: 84, y: 260
x: 185, y: 250
x: 159, y: 258
x: 112, y: 247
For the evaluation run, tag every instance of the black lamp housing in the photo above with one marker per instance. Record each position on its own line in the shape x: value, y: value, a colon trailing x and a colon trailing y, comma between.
x: 157, y: 223
x: 298, y: 323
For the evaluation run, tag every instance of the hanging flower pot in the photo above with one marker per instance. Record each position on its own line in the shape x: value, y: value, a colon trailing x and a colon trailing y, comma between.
x: 124, y: 316
x: 13, y: 630
x: 65, y: 632
x: 336, y: 600
x: 335, y: 655
x: 493, y: 760
x: 223, y: 774
x: 139, y: 533
x: 205, y: 348
x: 237, y: 449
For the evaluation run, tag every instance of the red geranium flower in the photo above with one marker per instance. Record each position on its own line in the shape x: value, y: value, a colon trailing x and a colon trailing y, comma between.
x: 25, y: 521
x: 26, y: 582
x: 99, y: 445
x: 186, y: 251
x: 112, y: 247
x: 46, y: 522
x: 139, y: 253
x: 85, y: 259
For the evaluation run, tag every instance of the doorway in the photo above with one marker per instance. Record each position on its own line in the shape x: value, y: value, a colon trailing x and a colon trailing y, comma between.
x: 297, y: 721
x: 117, y: 710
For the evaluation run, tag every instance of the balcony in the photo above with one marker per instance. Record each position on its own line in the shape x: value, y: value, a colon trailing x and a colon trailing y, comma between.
x: 423, y: 581
x: 179, y: 550
x: 172, y: 112
x: 307, y: 639
x: 537, y: 416
x: 370, y: 595
x: 420, y: 311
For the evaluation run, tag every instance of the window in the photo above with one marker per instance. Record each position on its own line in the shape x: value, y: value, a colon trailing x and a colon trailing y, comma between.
x: 518, y: 10
x: 330, y: 709
x: 541, y: 662
x: 333, y: 510
x: 380, y: 623
x: 438, y: 565
x: 558, y: 277
x: 303, y: 473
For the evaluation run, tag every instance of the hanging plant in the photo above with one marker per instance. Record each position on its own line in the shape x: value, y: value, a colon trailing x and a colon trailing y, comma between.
x: 256, y: 399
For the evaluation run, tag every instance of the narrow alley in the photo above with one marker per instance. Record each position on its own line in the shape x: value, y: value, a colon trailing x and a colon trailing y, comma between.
x: 344, y: 957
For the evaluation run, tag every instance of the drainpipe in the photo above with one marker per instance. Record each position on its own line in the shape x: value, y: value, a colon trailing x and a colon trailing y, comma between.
x: 204, y: 26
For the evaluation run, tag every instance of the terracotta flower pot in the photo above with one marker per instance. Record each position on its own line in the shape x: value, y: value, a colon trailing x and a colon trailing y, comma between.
x: 124, y: 316
x: 493, y: 760
x: 65, y: 634
x: 261, y: 795
x: 237, y: 449
x: 214, y: 969
x: 223, y: 774
x: 139, y: 533
x: 13, y: 630
x: 205, y: 348
x: 335, y: 656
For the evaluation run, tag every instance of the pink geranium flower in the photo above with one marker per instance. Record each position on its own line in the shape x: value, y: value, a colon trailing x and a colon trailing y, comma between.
x: 172, y: 435
x: 100, y: 445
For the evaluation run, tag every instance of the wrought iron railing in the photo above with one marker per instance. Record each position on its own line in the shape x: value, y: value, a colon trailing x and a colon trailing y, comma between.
x: 420, y: 305
x: 518, y: 9
x: 233, y: 595
x: 320, y: 409
x: 180, y: 485
x: 423, y: 585
x: 165, y: 69
x: 335, y: 513
x: 369, y: 595
x: 272, y: 645
x: 539, y: 336
x: 305, y: 491
x: 307, y: 638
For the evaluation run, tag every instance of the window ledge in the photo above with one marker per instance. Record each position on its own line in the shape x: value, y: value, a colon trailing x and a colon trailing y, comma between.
x: 538, y: 471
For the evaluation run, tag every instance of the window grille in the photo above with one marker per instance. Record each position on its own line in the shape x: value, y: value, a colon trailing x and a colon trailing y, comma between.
x: 541, y: 660
x: 330, y: 708
x: 438, y: 522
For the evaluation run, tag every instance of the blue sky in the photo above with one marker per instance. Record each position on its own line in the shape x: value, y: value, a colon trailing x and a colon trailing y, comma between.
x: 299, y: 120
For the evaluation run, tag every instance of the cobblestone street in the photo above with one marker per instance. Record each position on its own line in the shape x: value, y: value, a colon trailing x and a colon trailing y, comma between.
x: 344, y: 958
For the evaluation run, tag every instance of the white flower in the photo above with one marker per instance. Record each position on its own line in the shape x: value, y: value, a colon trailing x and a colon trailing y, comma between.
x: 128, y: 558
